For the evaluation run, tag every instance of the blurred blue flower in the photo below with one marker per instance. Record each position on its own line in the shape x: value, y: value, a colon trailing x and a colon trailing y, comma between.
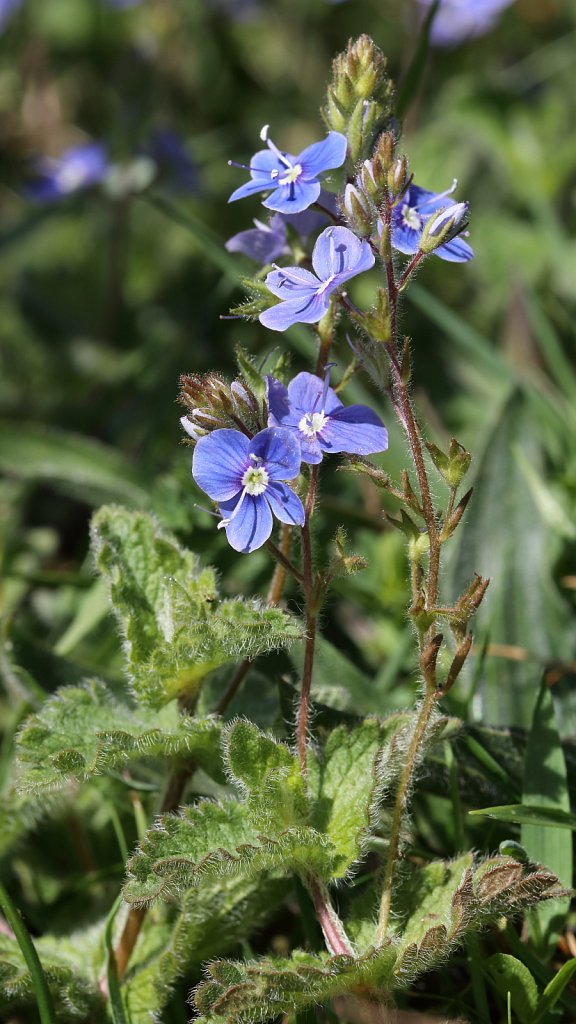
x: 267, y: 242
x: 412, y: 212
x: 75, y: 170
x: 292, y: 180
x: 310, y: 408
x: 7, y: 9
x: 172, y: 159
x: 338, y: 255
x: 245, y: 476
x: 457, y: 20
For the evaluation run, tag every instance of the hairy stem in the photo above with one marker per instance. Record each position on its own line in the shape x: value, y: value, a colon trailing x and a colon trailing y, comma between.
x: 337, y: 942
x: 399, y: 809
x: 311, y: 620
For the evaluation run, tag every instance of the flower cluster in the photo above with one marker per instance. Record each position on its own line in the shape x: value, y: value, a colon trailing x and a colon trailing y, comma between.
x: 248, y: 449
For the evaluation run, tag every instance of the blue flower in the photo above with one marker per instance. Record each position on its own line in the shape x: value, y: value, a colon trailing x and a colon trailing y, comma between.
x: 267, y: 242
x: 78, y: 168
x: 245, y: 476
x: 412, y: 212
x: 338, y: 255
x: 457, y: 20
x: 292, y: 180
x: 313, y: 411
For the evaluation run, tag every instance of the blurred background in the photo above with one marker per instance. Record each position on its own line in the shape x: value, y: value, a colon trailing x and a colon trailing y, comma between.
x: 117, y: 122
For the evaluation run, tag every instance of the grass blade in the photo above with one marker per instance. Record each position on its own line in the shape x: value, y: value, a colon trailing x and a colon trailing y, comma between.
x: 42, y: 992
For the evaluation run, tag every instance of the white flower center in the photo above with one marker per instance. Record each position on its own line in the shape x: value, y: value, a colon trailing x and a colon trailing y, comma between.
x: 411, y: 218
x: 327, y: 284
x: 70, y: 177
x: 312, y: 423
x: 255, y: 480
x: 292, y: 174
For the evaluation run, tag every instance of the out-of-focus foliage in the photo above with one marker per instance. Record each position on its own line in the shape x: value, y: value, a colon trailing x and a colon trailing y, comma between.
x: 106, y: 296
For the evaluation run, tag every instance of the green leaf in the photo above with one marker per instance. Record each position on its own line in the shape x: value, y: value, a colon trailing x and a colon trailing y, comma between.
x: 240, y: 993
x: 175, y: 633
x: 69, y: 462
x: 546, y: 785
x: 73, y: 991
x: 274, y: 826
x: 526, y: 814
x: 210, y: 920
x: 348, y: 780
x: 83, y: 731
x: 27, y: 949
x: 425, y: 898
x: 509, y: 975
x: 523, y: 607
x: 554, y: 989
x: 209, y: 840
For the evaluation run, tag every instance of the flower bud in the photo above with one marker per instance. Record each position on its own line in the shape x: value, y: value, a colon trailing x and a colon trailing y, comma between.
x: 359, y: 211
x: 359, y: 95
x: 443, y: 226
x: 398, y: 176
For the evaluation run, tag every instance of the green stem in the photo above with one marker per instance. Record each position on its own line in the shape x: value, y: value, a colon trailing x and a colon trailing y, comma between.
x: 39, y: 983
x: 400, y: 809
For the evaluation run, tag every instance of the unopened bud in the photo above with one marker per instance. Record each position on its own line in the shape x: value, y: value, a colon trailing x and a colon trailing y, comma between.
x: 444, y: 226
x: 359, y: 211
x: 398, y: 176
x: 367, y: 179
x: 384, y: 149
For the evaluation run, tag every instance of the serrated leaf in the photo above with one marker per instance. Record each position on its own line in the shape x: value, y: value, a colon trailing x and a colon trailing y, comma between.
x: 175, y: 633
x: 74, y: 991
x: 209, y: 840
x: 239, y: 992
x: 274, y: 826
x: 211, y: 920
x: 509, y: 975
x: 425, y: 898
x: 83, y: 731
x: 545, y: 783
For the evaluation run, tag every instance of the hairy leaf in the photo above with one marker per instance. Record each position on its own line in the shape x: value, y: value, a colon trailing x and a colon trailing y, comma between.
x: 257, y: 990
x: 211, y: 920
x: 175, y: 633
x: 73, y: 987
x: 83, y: 731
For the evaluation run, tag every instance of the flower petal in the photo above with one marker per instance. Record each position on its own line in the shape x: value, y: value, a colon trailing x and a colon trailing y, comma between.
x: 455, y: 251
x: 285, y: 505
x: 280, y: 452
x: 219, y: 462
x: 305, y: 393
x: 405, y: 239
x: 323, y: 156
x: 295, y: 311
x: 262, y: 166
x: 263, y: 244
x: 290, y: 282
x: 280, y: 413
x: 293, y: 198
x: 251, y: 525
x: 355, y: 429
x: 336, y: 250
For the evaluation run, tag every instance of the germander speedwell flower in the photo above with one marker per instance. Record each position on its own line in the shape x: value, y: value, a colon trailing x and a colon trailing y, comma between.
x: 338, y: 255
x: 411, y: 214
x: 245, y: 476
x: 76, y: 169
x: 312, y: 410
x: 292, y: 180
